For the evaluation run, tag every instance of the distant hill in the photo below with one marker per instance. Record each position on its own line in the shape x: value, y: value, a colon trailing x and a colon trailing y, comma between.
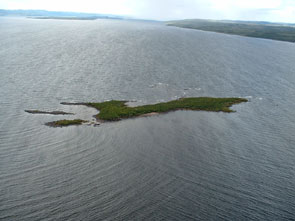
x: 57, y: 15
x: 259, y: 22
x: 258, y: 29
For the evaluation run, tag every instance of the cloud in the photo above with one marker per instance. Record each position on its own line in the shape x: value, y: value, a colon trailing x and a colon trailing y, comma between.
x: 271, y: 10
x: 249, y: 4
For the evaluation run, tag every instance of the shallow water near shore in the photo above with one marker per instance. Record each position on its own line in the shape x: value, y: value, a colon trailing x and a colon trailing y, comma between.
x: 183, y: 165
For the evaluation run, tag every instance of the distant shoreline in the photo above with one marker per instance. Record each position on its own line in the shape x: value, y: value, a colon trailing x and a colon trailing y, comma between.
x: 74, y: 18
x: 44, y: 14
x: 264, y: 30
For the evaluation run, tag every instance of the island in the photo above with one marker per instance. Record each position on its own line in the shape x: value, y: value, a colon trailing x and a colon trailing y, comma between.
x: 65, y: 123
x: 117, y: 110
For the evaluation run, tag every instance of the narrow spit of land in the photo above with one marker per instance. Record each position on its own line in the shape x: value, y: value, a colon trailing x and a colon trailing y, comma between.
x: 117, y: 110
x: 48, y: 112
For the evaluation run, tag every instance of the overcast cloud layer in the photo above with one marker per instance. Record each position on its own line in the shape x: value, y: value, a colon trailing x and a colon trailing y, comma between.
x: 267, y: 10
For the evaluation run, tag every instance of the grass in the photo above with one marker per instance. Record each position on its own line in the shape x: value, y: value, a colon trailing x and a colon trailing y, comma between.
x: 65, y: 123
x: 117, y: 110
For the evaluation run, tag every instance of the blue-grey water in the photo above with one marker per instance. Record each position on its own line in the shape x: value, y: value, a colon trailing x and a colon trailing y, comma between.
x: 182, y: 165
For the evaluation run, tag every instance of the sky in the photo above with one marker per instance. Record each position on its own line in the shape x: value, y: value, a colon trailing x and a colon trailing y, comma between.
x: 259, y: 10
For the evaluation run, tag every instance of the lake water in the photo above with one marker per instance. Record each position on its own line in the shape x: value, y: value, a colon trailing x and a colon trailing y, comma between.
x: 183, y: 165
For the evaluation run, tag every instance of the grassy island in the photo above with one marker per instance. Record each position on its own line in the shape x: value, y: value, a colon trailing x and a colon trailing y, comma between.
x: 65, y: 123
x: 117, y: 110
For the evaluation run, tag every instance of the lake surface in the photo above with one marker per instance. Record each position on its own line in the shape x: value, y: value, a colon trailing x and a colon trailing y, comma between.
x: 183, y: 165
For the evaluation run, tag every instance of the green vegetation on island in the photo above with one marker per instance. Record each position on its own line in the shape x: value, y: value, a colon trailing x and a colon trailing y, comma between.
x: 117, y: 110
x: 65, y: 123
x: 267, y: 30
